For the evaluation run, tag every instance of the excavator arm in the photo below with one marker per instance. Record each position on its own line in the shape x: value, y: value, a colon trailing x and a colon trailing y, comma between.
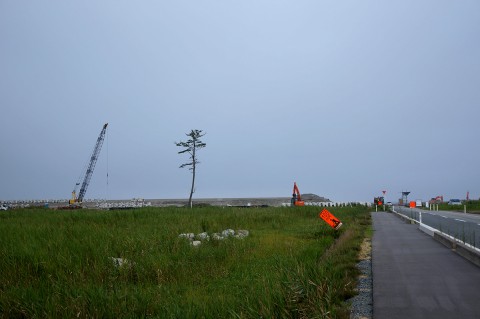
x: 296, y: 196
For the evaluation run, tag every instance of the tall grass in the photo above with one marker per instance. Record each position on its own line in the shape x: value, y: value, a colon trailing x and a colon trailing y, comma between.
x: 58, y: 263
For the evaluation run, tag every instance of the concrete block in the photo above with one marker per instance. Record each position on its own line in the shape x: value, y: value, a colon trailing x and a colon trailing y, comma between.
x: 468, y: 253
x: 217, y: 236
x: 427, y: 230
x: 189, y: 236
x: 242, y: 233
x: 444, y: 240
x: 203, y: 236
x: 196, y: 243
x: 121, y: 262
x: 228, y: 233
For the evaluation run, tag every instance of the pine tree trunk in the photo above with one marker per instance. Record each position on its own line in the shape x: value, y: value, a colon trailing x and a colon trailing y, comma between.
x: 193, y: 177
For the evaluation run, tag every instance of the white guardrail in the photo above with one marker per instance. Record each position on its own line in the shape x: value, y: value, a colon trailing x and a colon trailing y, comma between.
x: 428, y: 229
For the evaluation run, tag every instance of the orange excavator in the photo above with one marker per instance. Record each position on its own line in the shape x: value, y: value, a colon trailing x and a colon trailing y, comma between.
x: 296, y: 197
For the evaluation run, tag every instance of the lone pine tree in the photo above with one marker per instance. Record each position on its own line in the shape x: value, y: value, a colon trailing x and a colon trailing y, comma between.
x: 191, y: 146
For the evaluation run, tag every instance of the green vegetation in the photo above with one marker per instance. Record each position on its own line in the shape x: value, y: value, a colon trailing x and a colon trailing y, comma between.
x: 58, y: 263
x: 473, y: 206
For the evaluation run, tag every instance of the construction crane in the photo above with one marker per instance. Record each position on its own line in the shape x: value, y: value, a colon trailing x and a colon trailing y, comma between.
x: 296, y: 197
x: 90, y: 168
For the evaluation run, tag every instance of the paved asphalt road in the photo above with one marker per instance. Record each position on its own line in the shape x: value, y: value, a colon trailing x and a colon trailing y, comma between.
x: 414, y: 276
x: 465, y: 227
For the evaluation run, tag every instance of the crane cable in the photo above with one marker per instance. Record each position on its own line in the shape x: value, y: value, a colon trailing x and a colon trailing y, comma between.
x: 107, y: 164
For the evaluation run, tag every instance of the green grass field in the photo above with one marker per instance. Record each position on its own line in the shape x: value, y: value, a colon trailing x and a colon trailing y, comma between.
x: 292, y: 265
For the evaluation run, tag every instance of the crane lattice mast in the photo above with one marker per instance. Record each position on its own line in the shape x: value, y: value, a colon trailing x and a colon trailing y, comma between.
x: 91, y: 166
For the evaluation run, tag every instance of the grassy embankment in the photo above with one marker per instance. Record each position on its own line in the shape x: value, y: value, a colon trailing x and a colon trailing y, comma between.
x: 57, y: 263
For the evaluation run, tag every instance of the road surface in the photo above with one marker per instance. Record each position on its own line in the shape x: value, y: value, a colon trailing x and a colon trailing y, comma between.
x: 415, y: 276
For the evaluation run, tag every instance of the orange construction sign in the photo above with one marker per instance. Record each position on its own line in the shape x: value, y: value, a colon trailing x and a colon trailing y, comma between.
x: 333, y: 221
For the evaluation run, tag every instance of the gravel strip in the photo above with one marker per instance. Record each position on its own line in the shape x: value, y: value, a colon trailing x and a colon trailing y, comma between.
x: 362, y: 304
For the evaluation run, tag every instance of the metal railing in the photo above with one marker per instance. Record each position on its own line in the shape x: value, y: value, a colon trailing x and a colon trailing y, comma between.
x: 465, y: 232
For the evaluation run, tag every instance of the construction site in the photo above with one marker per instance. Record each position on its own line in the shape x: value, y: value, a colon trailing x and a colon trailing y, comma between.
x: 79, y: 200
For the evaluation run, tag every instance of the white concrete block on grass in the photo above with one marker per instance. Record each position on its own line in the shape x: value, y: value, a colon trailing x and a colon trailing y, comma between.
x: 242, y: 233
x: 189, y: 236
x: 228, y: 233
x: 196, y: 240
x: 196, y: 243
x: 203, y: 236
x: 217, y: 236
x: 120, y: 262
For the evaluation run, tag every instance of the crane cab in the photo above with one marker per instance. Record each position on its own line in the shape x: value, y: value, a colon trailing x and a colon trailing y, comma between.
x: 73, y: 200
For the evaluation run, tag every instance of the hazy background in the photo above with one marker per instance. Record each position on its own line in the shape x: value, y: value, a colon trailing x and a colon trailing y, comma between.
x: 347, y: 98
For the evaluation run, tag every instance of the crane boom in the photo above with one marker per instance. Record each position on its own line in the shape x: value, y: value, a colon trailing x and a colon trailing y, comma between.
x: 90, y: 168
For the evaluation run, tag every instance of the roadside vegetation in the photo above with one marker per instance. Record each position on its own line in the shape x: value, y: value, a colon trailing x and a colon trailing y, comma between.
x: 292, y: 265
x: 473, y: 206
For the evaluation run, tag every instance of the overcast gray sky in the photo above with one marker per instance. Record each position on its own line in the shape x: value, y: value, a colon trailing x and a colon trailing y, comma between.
x: 347, y: 98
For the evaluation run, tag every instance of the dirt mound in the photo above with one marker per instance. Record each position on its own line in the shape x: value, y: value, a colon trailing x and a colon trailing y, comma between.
x: 314, y: 198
